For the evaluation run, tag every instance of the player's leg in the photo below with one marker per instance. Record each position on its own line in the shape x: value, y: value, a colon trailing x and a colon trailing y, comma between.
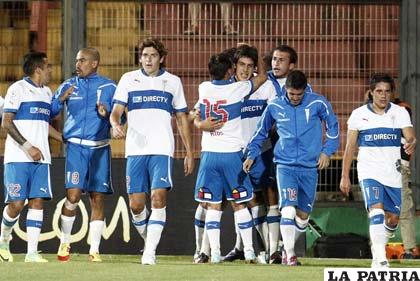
x: 237, y: 253
x: 259, y: 215
x: 199, y: 224
x: 273, y: 223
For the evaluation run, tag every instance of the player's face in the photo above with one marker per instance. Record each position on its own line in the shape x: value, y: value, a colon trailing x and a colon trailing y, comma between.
x: 150, y: 61
x: 295, y: 95
x: 85, y: 65
x: 381, y: 95
x: 280, y: 64
x: 244, y: 68
x: 45, y: 72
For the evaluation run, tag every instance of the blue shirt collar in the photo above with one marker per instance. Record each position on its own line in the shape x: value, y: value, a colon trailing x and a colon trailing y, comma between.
x: 161, y: 71
x: 370, y: 107
x: 90, y: 76
x: 27, y: 79
x: 222, y: 82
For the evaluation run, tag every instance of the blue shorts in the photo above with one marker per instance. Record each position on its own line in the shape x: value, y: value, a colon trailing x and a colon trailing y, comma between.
x: 297, y: 187
x: 375, y: 192
x: 262, y: 171
x: 146, y: 172
x: 88, y: 168
x: 221, y: 174
x: 26, y: 181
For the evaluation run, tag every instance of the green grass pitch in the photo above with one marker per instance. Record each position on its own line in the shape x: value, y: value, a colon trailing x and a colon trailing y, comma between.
x: 124, y: 267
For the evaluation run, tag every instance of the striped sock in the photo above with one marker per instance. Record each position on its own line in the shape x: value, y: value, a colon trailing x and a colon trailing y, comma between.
x: 33, y: 229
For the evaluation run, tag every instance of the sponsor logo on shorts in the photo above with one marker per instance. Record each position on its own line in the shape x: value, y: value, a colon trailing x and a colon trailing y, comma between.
x: 239, y: 193
x: 204, y: 193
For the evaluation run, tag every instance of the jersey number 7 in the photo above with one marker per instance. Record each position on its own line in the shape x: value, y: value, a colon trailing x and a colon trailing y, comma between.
x: 215, y: 111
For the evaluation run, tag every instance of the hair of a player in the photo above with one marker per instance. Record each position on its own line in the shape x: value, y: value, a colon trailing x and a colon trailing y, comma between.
x: 378, y: 78
x: 296, y: 79
x: 219, y: 65
x: 154, y: 43
x: 230, y: 52
x: 246, y: 51
x: 92, y: 52
x: 33, y: 60
x: 287, y: 49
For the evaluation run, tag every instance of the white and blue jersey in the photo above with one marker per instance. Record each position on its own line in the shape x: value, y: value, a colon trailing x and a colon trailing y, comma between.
x: 379, y: 142
x: 32, y: 106
x: 151, y: 101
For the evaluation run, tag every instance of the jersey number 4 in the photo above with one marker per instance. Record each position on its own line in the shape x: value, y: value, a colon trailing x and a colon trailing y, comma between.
x: 214, y: 109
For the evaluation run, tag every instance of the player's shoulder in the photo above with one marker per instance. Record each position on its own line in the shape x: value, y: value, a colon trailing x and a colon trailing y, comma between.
x: 172, y: 77
x: 105, y: 82
x: 130, y: 75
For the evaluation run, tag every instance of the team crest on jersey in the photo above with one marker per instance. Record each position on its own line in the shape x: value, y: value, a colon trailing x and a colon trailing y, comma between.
x: 204, y: 193
x: 239, y: 193
x: 14, y: 189
x: 75, y: 178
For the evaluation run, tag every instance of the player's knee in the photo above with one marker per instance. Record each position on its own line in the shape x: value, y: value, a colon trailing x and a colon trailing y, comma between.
x: 392, y: 220
x: 71, y: 206
x: 288, y: 212
x: 15, y: 207
x: 376, y: 216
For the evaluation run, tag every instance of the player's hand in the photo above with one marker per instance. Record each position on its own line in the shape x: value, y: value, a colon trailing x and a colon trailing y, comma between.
x: 345, y: 185
x: 66, y: 94
x: 324, y: 161
x: 211, y: 124
x: 246, y: 166
x: 118, y: 132
x: 410, y: 147
x: 35, y: 154
x: 188, y: 164
x: 101, y: 109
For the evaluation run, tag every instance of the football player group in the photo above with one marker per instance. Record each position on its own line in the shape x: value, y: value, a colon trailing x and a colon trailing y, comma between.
x: 265, y: 135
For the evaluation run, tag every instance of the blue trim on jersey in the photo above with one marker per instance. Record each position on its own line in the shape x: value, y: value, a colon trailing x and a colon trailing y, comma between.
x: 33, y: 223
x: 369, y: 106
x: 233, y: 110
x: 259, y: 220
x: 9, y: 223
x: 27, y: 79
x: 212, y: 225
x: 162, y: 223
x: 222, y: 82
x: 140, y: 223
x: 273, y: 219
x: 253, y: 108
x: 378, y: 219
x: 380, y: 137
x: 9, y: 110
x: 245, y: 225
x: 150, y: 99
x: 34, y: 111
x: 119, y: 102
x: 184, y: 109
x: 285, y: 221
x: 161, y: 71
x: 199, y: 223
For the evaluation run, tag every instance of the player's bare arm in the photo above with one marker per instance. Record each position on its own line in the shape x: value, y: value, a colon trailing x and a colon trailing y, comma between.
x: 10, y: 127
x: 102, y: 110
x: 185, y: 132
x: 351, y: 146
x: 323, y: 161
x: 261, y: 77
x: 246, y: 166
x: 410, y: 137
x: 54, y: 134
x: 118, y: 131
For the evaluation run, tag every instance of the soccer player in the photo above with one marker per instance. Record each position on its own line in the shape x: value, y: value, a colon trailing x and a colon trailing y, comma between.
x: 222, y: 99
x: 376, y: 128
x: 88, y: 99
x: 151, y: 95
x: 27, y: 159
x: 298, y: 115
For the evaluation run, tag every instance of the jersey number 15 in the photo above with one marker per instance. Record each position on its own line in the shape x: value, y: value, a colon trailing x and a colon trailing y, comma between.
x: 213, y: 109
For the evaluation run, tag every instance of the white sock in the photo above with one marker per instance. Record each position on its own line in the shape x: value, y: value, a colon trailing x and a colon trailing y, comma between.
x: 300, y: 226
x: 238, y: 242
x: 273, y: 222
x: 7, y: 225
x: 199, y: 223
x: 259, y: 215
x: 245, y: 223
x: 66, y: 227
x: 287, y: 228
x: 96, y: 229
x: 213, y: 230
x: 378, y: 234
x: 205, y: 244
x: 140, y: 222
x: 33, y: 229
x: 155, y: 226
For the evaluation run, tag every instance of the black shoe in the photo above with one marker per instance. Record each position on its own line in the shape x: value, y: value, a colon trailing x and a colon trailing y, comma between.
x: 275, y: 258
x: 407, y: 256
x: 235, y: 254
x: 202, y: 258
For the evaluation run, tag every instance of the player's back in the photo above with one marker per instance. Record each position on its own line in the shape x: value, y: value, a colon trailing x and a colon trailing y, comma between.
x: 222, y: 99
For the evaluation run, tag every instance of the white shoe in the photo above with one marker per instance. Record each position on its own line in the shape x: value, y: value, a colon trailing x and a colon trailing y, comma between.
x: 262, y: 258
x: 250, y: 256
x: 216, y: 257
x: 148, y: 259
x: 377, y: 264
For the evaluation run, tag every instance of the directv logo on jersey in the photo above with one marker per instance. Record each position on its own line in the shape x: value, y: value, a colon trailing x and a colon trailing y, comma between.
x: 375, y: 137
x: 35, y: 110
x: 149, y: 99
x: 251, y: 108
x: 368, y: 274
